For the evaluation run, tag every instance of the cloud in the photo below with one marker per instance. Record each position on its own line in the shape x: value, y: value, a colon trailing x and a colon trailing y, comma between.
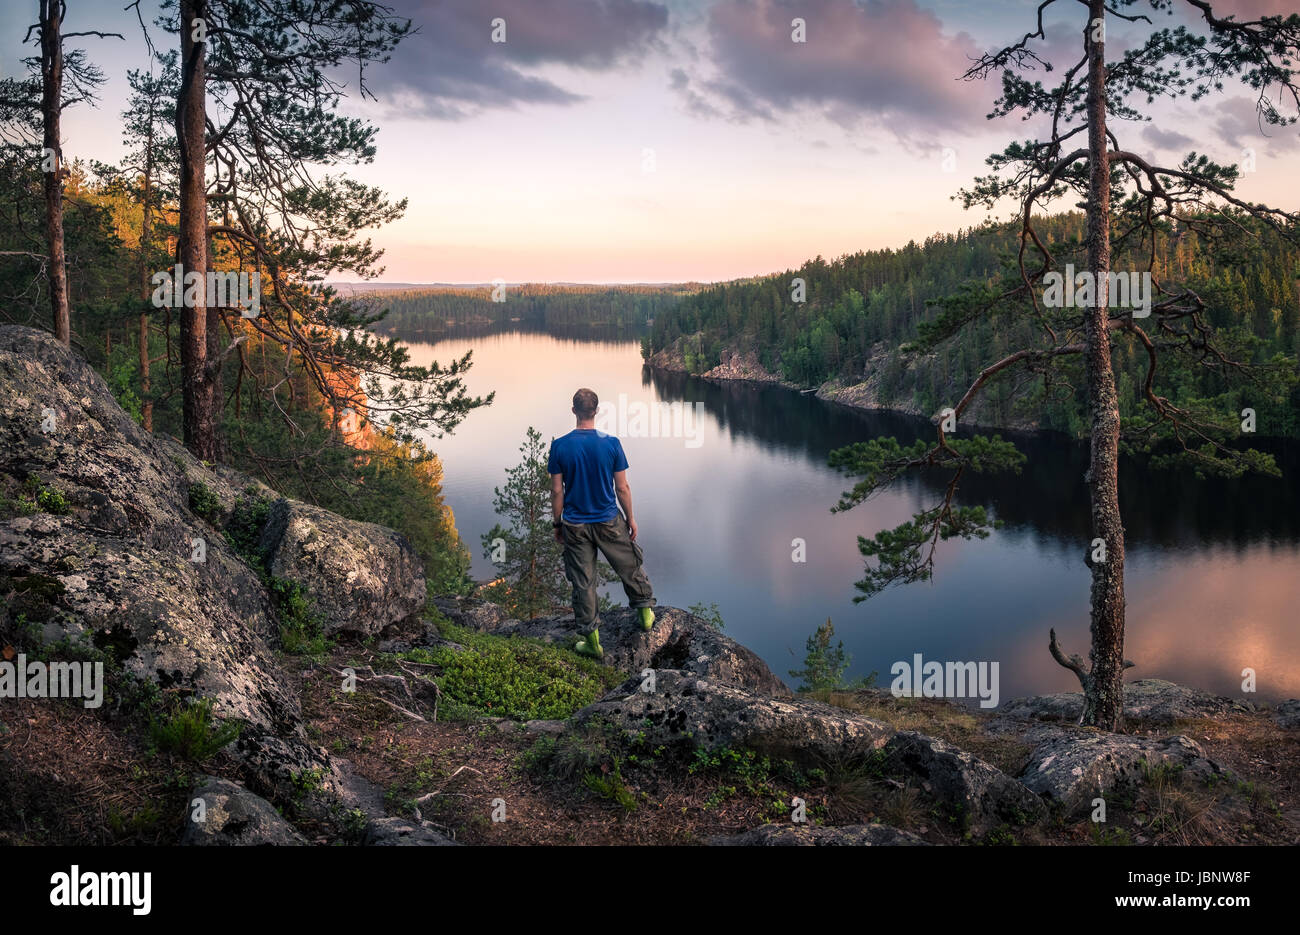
x: 452, y: 69
x: 1240, y: 126
x: 1167, y: 139
x: 885, y: 62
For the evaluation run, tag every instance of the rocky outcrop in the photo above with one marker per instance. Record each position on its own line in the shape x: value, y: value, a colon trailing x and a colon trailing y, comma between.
x: 793, y: 835
x: 977, y: 796
x: 398, y: 832
x: 225, y: 814
x: 1070, y: 767
x: 114, y: 567
x: 123, y: 552
x: 361, y: 577
x: 679, y: 641
x: 685, y: 712
x: 1287, y: 714
x: 1146, y: 701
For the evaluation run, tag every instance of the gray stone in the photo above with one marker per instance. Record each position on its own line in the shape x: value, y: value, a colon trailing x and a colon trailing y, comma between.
x: 1071, y: 766
x: 685, y: 712
x: 234, y: 817
x: 398, y: 832
x: 360, y: 576
x: 1287, y: 714
x: 977, y: 795
x: 1152, y: 701
x: 793, y: 835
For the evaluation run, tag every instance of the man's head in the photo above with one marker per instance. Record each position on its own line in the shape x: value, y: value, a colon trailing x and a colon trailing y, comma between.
x: 585, y: 404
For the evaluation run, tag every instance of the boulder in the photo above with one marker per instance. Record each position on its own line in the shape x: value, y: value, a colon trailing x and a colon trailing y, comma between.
x: 679, y: 640
x: 361, y: 577
x: 1070, y: 767
x: 231, y: 816
x: 977, y: 795
x: 398, y: 832
x: 685, y: 712
x: 793, y: 835
x: 1287, y: 714
x: 1150, y: 701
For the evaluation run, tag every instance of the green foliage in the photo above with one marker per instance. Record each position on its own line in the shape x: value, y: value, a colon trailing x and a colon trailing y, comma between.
x: 44, y: 497
x: 190, y: 732
x: 823, y: 666
x: 301, y: 632
x: 243, y: 530
x: 204, y: 502
x: 512, y: 677
x: 611, y: 785
x: 710, y: 614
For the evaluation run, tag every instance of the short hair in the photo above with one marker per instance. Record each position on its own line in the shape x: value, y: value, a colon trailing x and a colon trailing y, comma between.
x: 585, y: 403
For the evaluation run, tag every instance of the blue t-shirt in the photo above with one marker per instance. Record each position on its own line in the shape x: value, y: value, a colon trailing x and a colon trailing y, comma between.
x: 588, y: 459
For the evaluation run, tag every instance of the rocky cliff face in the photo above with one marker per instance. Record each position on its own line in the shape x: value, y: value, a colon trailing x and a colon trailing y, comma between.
x: 125, y: 552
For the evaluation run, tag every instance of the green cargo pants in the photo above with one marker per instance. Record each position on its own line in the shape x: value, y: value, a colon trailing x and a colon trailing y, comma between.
x: 581, y: 540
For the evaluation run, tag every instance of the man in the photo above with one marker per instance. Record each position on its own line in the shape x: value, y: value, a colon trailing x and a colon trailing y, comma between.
x: 588, y: 485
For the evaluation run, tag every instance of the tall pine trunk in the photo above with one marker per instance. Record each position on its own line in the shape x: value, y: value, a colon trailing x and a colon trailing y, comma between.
x: 51, y: 13
x: 1104, y: 687
x: 146, y: 237
x: 200, y: 398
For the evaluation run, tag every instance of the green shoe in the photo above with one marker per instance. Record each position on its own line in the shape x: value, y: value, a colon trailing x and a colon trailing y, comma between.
x: 647, y: 618
x: 590, y: 646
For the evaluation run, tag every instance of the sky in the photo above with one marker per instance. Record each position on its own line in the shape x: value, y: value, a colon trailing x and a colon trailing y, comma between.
x: 691, y: 140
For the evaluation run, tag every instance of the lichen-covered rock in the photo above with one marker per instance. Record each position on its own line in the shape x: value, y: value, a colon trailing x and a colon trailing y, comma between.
x: 679, y: 640
x: 360, y: 576
x: 977, y: 795
x: 473, y: 613
x: 801, y: 835
x: 231, y: 816
x: 1072, y: 766
x: 685, y: 712
x: 1150, y: 701
x: 1287, y: 714
x: 114, y: 567
x: 398, y: 832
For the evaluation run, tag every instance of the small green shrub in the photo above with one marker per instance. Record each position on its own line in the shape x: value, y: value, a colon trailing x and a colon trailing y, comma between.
x: 710, y: 614
x: 46, y: 498
x: 191, y: 733
x: 301, y: 630
x: 204, y: 502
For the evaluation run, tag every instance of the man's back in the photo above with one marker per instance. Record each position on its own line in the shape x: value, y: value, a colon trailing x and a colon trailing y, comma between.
x: 588, y: 459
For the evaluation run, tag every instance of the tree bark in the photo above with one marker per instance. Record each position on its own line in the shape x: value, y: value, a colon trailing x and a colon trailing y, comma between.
x: 1104, y: 689
x: 51, y: 14
x: 146, y: 237
x: 199, y: 397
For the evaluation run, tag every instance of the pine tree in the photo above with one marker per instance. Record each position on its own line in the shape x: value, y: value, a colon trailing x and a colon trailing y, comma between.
x: 530, y: 560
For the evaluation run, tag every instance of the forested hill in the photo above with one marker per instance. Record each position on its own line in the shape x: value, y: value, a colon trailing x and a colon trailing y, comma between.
x: 423, y: 308
x: 861, y: 308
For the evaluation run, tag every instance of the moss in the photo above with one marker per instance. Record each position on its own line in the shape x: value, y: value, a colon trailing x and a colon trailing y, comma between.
x: 513, y: 677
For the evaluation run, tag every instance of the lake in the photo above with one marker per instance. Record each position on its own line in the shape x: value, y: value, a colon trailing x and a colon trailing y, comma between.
x: 1213, y: 571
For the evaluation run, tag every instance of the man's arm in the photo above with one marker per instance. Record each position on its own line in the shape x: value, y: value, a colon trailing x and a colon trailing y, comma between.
x: 557, y: 502
x: 623, y: 490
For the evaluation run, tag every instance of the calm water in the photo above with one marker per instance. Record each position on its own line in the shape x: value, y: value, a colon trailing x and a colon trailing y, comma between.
x: 1213, y: 573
